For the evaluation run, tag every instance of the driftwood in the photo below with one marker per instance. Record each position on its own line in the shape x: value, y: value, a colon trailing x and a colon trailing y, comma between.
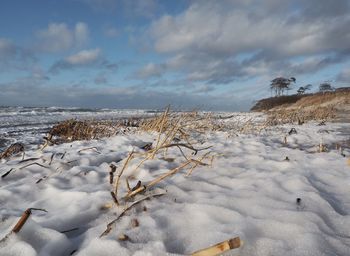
x: 220, y: 247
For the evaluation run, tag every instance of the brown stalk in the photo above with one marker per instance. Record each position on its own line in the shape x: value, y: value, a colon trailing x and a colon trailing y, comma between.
x: 156, y: 180
x: 24, y: 218
x: 121, y: 173
x: 219, y: 248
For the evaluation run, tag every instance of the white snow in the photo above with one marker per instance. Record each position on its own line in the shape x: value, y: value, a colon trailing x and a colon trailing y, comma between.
x: 250, y: 191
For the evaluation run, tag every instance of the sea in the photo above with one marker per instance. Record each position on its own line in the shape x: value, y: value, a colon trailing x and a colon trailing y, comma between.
x: 28, y: 125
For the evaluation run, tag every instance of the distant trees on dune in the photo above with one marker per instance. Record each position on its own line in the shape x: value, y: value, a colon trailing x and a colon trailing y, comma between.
x: 281, y: 84
x: 326, y: 87
x: 303, y: 89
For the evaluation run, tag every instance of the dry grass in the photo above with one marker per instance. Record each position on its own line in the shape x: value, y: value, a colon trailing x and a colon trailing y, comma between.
x: 327, y: 98
x: 300, y: 116
x: 71, y: 130
x: 303, y: 101
x: 172, y: 130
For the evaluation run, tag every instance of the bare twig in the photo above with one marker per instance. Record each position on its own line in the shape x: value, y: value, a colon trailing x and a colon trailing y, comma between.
x: 7, y: 173
x: 69, y: 230
x: 33, y: 164
x: 121, y: 173
x: 110, y: 224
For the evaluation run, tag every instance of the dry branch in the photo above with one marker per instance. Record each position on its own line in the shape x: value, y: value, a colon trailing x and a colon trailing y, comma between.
x: 110, y: 224
x: 22, y: 167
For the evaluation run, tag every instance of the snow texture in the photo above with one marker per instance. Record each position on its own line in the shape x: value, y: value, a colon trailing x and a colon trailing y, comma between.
x: 250, y: 191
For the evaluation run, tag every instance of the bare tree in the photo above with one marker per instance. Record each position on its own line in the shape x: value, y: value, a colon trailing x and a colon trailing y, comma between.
x: 326, y: 87
x: 302, y: 89
x: 280, y: 84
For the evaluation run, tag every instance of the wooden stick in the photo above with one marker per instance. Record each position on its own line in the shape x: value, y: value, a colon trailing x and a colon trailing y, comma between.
x: 220, y: 247
x: 24, y: 218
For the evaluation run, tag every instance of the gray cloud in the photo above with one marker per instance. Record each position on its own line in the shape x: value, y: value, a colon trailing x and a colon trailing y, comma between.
x: 59, y: 37
x: 209, y: 40
x: 150, y: 70
x: 100, y: 79
x: 344, y: 76
x: 13, y: 56
x: 110, y: 97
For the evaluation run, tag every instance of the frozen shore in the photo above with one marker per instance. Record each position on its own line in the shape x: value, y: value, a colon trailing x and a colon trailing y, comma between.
x: 280, y: 196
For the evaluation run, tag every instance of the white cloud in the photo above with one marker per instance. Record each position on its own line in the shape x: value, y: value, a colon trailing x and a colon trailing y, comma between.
x: 59, y: 37
x: 7, y: 48
x: 84, y: 57
x: 150, y: 70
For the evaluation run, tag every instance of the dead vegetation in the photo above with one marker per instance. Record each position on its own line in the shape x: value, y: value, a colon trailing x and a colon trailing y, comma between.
x: 173, y: 131
x: 299, y: 116
x: 14, y: 149
x: 321, y: 99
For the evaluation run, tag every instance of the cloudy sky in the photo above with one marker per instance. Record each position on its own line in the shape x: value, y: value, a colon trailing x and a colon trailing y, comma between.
x: 215, y: 54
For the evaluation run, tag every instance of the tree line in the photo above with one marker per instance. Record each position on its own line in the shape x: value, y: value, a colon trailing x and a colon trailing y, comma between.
x: 280, y: 85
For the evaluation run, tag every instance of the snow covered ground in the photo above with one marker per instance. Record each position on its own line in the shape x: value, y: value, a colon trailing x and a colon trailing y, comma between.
x: 250, y: 191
